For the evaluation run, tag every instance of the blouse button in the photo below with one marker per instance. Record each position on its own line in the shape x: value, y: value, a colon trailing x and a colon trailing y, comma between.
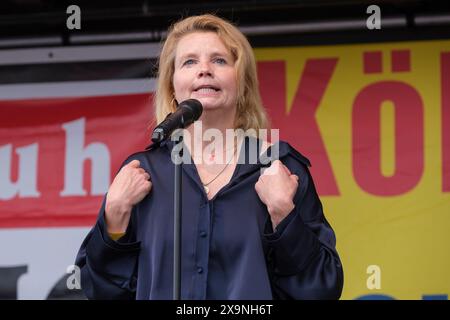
x: 202, y: 234
x: 199, y: 269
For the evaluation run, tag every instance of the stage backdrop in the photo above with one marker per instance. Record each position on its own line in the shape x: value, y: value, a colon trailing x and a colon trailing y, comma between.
x: 374, y: 119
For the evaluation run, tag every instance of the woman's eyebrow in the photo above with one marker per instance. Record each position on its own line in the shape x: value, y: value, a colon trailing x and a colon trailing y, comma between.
x: 186, y: 56
x: 195, y: 55
x: 214, y: 54
x: 220, y: 53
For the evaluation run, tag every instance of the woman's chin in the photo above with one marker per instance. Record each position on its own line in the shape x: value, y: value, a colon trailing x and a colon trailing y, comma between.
x: 208, y: 105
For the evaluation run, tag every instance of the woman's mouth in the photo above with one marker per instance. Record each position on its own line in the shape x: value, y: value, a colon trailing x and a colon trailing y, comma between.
x: 206, y: 90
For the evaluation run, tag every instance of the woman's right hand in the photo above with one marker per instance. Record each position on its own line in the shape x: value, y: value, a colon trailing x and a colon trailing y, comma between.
x: 129, y: 187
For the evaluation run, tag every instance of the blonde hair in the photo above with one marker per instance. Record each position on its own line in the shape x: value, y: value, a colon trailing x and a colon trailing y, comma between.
x: 250, y: 113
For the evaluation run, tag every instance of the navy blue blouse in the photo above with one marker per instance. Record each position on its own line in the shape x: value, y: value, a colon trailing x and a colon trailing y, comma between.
x: 229, y: 250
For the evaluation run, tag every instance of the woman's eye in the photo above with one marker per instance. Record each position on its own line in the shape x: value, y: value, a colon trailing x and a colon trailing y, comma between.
x: 189, y: 61
x: 221, y: 61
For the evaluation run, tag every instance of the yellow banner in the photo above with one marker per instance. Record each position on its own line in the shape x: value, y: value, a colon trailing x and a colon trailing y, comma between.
x: 374, y: 119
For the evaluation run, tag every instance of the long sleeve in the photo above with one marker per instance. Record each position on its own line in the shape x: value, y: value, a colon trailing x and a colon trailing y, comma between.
x: 302, y: 260
x: 108, y: 267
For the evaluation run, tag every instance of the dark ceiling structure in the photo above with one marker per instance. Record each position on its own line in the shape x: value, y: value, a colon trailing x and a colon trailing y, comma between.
x: 25, y: 23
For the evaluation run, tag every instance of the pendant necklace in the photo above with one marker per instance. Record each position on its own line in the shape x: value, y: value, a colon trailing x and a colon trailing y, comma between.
x: 205, y: 185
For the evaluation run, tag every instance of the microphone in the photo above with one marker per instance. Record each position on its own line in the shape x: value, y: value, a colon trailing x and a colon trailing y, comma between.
x: 187, y: 112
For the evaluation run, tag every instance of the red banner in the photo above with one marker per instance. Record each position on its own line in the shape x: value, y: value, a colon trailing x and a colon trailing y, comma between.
x: 61, y: 154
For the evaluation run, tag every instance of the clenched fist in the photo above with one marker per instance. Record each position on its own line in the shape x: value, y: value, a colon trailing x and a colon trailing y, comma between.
x: 129, y: 187
x: 276, y: 188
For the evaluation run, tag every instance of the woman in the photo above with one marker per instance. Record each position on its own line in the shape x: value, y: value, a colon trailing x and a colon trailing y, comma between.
x: 245, y: 235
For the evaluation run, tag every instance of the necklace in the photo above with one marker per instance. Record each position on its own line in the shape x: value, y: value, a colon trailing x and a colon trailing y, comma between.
x: 205, y: 185
x: 212, y: 155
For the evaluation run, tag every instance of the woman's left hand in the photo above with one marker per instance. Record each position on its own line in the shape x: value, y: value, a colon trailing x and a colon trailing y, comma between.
x: 276, y: 188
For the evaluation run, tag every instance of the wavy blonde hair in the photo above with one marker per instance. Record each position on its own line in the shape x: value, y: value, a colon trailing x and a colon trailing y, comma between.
x: 250, y: 113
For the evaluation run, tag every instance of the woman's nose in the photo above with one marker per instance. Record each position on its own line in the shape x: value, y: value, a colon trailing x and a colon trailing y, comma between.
x: 204, y: 70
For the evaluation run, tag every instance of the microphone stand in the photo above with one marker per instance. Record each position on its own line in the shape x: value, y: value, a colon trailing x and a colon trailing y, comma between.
x: 191, y: 109
x: 177, y: 221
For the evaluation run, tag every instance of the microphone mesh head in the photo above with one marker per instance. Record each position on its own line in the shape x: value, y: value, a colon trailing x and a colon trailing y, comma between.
x: 194, y: 105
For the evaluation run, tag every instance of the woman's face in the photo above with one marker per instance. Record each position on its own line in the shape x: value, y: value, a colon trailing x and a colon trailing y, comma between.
x: 205, y: 70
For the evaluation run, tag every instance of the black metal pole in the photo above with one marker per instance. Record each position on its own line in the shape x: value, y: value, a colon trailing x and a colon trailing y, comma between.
x: 177, y: 224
